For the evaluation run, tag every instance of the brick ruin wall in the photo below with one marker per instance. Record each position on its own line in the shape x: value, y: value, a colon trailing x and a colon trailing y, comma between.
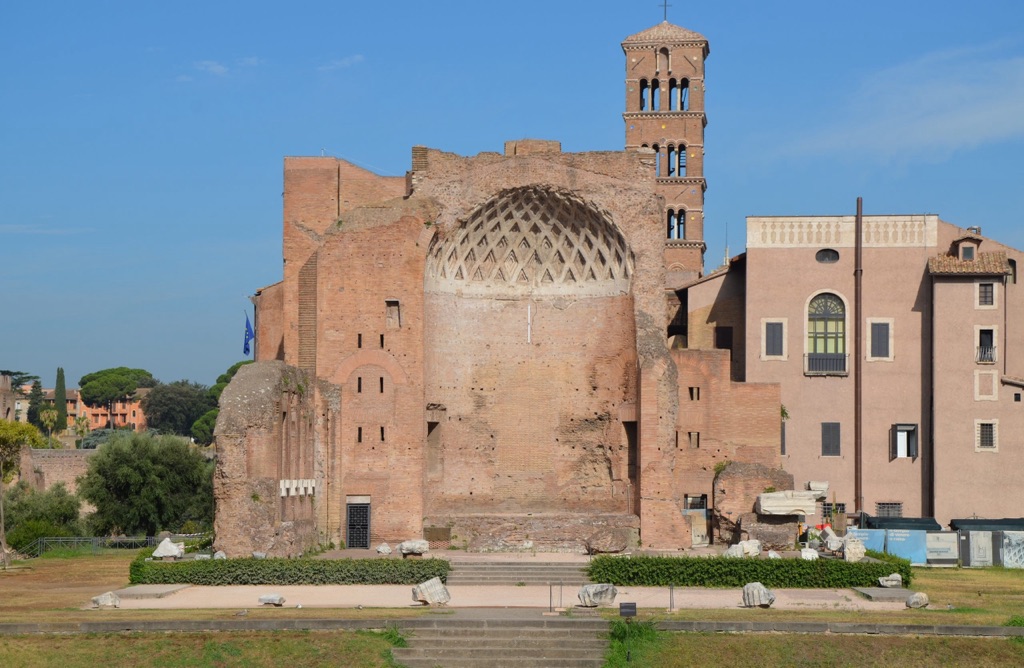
x: 264, y: 463
x: 45, y: 468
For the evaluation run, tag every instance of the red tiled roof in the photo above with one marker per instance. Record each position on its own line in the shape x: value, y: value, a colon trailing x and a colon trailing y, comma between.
x: 986, y: 264
x: 664, y: 32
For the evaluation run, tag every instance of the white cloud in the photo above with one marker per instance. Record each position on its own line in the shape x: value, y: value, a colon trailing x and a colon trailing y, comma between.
x: 212, y: 67
x: 935, y: 105
x: 340, y: 64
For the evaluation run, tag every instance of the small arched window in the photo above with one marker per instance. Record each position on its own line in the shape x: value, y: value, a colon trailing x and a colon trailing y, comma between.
x: 673, y: 95
x: 681, y: 161
x: 644, y: 89
x: 657, y: 160
x: 655, y: 95
x: 827, y: 256
x: 664, y: 62
x: 677, y: 224
x: 826, y: 335
x: 684, y: 95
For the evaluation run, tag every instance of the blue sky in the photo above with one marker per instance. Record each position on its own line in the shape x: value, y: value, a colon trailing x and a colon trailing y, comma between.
x: 141, y: 143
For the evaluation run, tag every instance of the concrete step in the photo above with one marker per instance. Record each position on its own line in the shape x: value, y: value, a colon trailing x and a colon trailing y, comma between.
x: 505, y: 662
x: 514, y: 573
x: 497, y: 643
x: 462, y: 634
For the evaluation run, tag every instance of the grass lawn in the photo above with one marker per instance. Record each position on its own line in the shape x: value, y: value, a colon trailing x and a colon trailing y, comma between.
x: 672, y: 650
x: 282, y: 648
x: 54, y: 589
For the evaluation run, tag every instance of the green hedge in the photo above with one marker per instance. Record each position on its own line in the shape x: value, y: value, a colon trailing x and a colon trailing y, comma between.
x: 287, y: 571
x: 648, y: 571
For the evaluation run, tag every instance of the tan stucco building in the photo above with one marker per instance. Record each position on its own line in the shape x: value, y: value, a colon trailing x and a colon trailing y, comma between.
x: 938, y: 354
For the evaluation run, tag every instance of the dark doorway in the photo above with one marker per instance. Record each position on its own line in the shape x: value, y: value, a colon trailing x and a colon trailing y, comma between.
x: 358, y: 534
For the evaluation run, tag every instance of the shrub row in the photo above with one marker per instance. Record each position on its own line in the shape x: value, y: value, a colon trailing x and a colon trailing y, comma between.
x: 649, y: 571
x: 287, y: 571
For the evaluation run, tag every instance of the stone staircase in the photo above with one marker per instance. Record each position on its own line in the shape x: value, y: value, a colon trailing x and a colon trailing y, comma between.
x: 555, y: 642
x: 516, y: 573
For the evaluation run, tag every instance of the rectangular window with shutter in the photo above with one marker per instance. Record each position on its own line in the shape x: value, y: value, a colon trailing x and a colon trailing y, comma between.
x: 903, y: 441
x: 830, y: 439
x: 773, y: 339
x: 879, y: 339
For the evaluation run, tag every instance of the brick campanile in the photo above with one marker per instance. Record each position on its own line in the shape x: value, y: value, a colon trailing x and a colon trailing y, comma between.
x: 665, y: 114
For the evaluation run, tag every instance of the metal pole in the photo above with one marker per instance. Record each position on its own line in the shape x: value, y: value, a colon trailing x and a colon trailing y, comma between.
x: 858, y: 342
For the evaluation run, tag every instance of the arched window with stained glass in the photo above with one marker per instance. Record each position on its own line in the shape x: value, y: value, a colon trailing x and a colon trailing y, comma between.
x: 826, y: 335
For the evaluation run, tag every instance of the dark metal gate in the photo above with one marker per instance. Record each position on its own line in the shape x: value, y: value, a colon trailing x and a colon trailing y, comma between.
x: 358, y: 533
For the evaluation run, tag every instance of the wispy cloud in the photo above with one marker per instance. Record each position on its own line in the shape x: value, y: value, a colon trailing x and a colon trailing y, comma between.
x: 249, y: 61
x: 932, y: 106
x: 341, y: 63
x: 212, y: 67
x: 27, y: 229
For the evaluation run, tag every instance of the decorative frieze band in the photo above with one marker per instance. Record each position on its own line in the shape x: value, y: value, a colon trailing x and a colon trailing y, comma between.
x: 839, y: 231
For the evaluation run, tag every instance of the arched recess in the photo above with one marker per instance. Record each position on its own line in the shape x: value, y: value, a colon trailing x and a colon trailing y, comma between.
x: 377, y: 358
x: 535, y: 240
x: 529, y: 354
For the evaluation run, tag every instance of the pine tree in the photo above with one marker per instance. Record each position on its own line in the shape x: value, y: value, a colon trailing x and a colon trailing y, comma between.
x: 60, y: 400
x: 35, y: 404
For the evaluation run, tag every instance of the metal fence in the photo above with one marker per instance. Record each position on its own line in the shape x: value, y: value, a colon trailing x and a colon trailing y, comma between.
x: 94, y: 545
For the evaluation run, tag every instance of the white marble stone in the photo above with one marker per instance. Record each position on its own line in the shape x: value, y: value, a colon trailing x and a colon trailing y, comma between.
x: 756, y: 595
x: 853, y: 549
x: 431, y: 592
x: 788, y: 502
x: 166, y: 548
x: 593, y: 595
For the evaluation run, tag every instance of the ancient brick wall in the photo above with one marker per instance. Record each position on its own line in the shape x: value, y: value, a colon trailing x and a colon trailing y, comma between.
x: 265, y: 463
x: 269, y: 325
x: 370, y: 357
x: 45, y: 468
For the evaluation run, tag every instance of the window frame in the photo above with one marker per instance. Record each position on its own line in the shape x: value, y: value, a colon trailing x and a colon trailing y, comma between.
x: 992, y: 356
x: 978, y: 424
x: 913, y: 447
x: 783, y: 355
x: 838, y: 334
x: 827, y: 429
x: 993, y: 295
x: 888, y: 509
x: 870, y: 352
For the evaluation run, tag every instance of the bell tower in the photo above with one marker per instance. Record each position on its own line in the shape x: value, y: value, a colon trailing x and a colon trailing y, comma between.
x: 665, y: 115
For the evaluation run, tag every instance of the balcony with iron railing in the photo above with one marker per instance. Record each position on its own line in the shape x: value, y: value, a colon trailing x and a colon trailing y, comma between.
x: 825, y: 364
x: 986, y: 355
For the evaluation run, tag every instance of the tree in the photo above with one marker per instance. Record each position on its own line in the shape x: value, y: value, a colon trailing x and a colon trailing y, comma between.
x: 60, y: 401
x: 13, y: 435
x: 35, y: 404
x: 19, y: 379
x: 174, y: 407
x: 202, y: 430
x: 48, y: 416
x: 81, y: 429
x: 102, y: 388
x: 141, y: 484
x: 225, y: 378
x: 33, y: 514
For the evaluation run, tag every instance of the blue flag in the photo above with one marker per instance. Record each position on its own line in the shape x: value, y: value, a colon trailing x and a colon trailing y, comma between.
x: 249, y: 335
